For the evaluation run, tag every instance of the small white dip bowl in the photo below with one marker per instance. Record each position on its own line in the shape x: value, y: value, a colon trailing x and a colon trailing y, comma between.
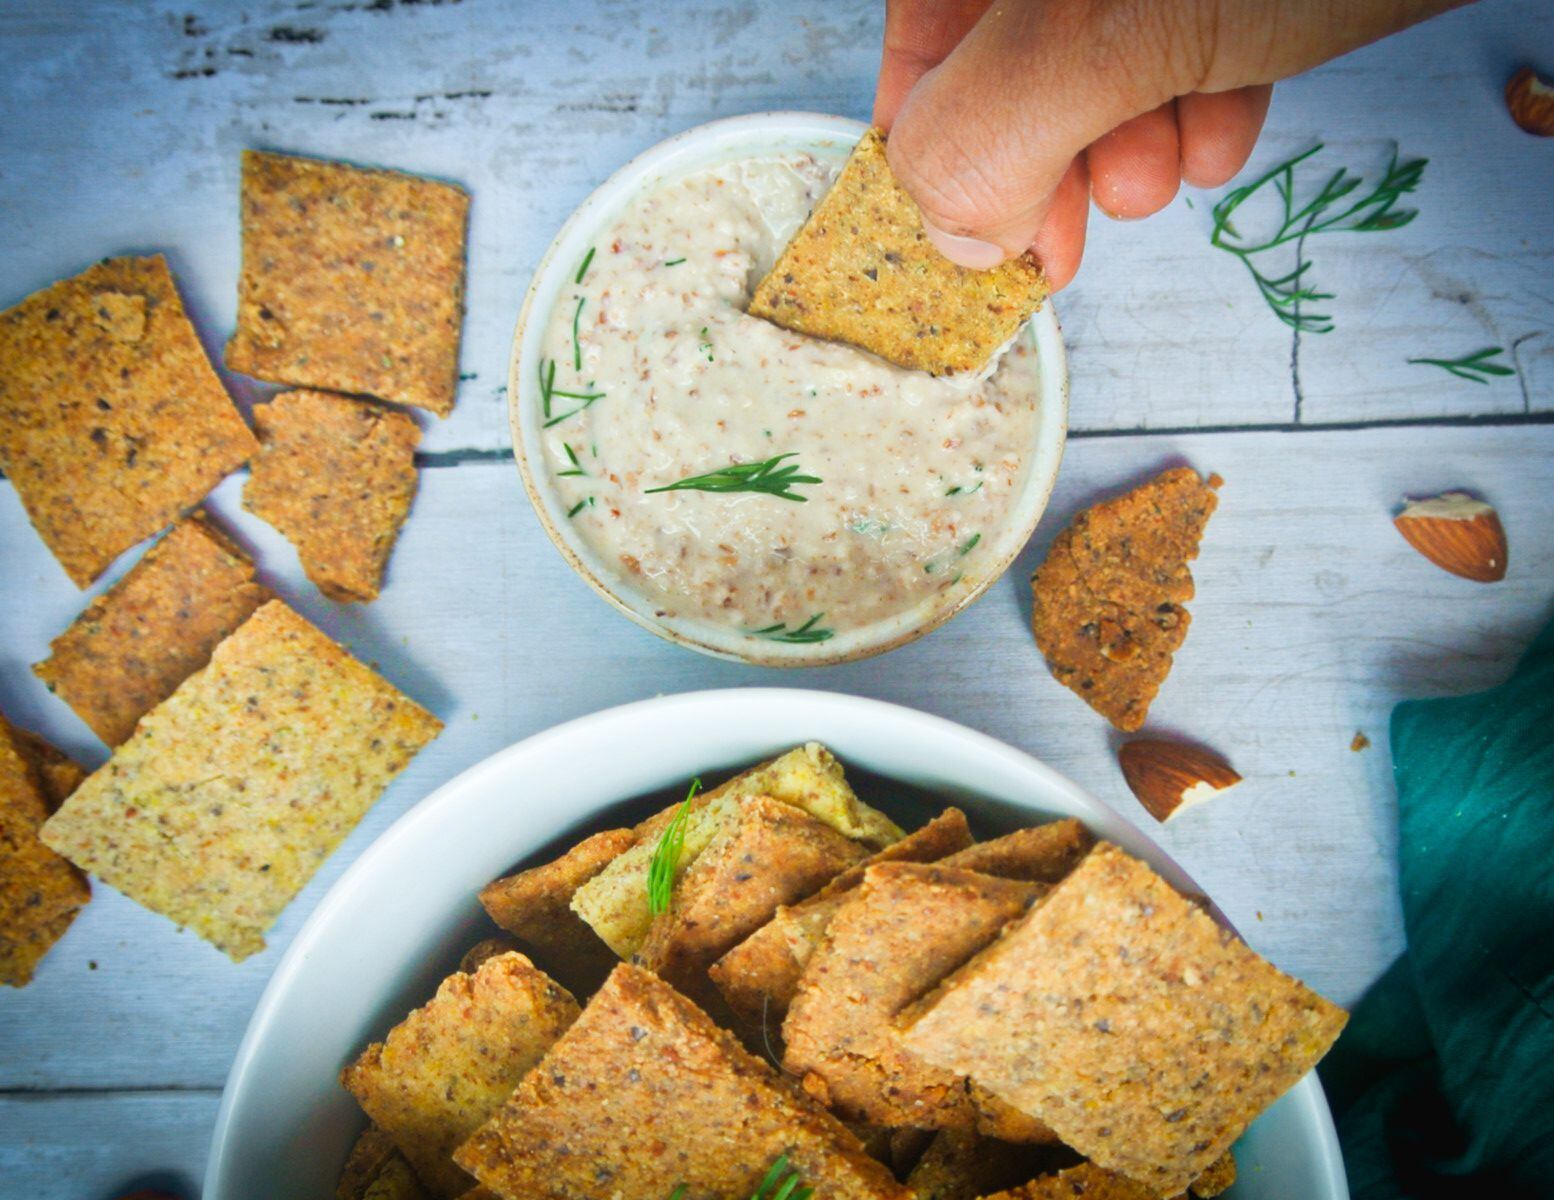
x: 710, y: 145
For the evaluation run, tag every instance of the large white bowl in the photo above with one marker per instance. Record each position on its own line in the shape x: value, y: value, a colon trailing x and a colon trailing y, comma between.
x: 711, y: 145
x: 397, y: 921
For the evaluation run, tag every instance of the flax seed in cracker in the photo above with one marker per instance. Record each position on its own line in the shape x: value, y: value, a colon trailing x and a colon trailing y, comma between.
x: 140, y: 639
x: 1120, y: 1014
x: 861, y: 270
x: 352, y: 280
x: 234, y: 789
x: 40, y: 893
x: 1108, y: 601
x: 112, y: 421
x: 443, y: 1070
x: 336, y: 476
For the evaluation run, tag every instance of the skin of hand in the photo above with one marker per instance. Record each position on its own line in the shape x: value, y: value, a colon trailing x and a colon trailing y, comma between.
x: 1006, y: 117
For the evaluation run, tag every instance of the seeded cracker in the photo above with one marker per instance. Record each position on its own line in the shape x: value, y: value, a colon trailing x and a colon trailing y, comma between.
x: 1117, y: 1012
x: 376, y: 1170
x: 139, y: 640
x: 1108, y: 600
x: 58, y: 774
x: 645, y: 1093
x: 234, y: 789
x: 40, y: 893
x: 1097, y: 1183
x: 443, y: 1070
x: 336, y: 476
x: 112, y: 421
x: 353, y: 280
x: 861, y: 270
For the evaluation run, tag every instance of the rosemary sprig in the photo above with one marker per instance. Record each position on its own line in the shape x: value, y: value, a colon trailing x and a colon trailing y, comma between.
x: 576, y: 468
x: 957, y: 490
x: 1476, y: 366
x: 768, y: 476
x: 1375, y: 211
x: 969, y: 544
x: 666, y: 856
x: 577, y: 348
x: 585, y: 502
x: 806, y: 634
x: 779, y: 1183
x: 705, y: 345
x: 547, y: 385
x: 583, y: 270
x: 673, y: 262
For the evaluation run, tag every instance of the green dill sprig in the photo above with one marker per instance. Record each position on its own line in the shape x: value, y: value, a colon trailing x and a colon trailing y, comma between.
x: 806, y: 634
x: 549, y: 393
x: 1476, y: 366
x: 576, y: 468
x: 779, y: 1183
x: 577, y: 347
x: 585, y: 502
x: 1375, y: 211
x: 768, y: 476
x: 666, y: 855
x: 587, y: 259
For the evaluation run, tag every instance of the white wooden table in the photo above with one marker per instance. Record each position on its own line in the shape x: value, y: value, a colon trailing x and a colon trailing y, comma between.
x: 120, y: 127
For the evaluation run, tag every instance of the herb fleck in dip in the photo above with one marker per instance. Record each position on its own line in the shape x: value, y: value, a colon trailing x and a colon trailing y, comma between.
x: 752, y: 477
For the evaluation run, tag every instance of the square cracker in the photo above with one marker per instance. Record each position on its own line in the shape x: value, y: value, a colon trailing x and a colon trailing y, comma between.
x: 1120, y: 1014
x: 40, y: 893
x: 442, y: 1071
x: 861, y: 270
x: 140, y: 639
x: 905, y: 928
x: 809, y: 777
x: 234, y: 789
x: 336, y: 476
x: 1044, y: 853
x: 1108, y: 600
x: 112, y: 421
x: 353, y: 280
x: 645, y: 1094
x: 759, y: 976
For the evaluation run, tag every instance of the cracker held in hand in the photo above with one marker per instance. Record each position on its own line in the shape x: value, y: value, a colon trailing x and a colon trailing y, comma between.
x: 450, y: 1064
x: 645, y: 1094
x: 153, y: 629
x: 112, y: 421
x: 1108, y: 600
x: 336, y: 476
x: 353, y: 280
x: 40, y: 893
x: 234, y: 789
x: 1120, y: 1014
x: 861, y: 270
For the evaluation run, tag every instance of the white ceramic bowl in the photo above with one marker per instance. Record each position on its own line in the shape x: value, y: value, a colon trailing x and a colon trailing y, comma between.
x: 398, y: 920
x: 696, y: 149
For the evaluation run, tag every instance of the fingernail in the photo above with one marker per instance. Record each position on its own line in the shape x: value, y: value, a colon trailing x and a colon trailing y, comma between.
x: 972, y: 253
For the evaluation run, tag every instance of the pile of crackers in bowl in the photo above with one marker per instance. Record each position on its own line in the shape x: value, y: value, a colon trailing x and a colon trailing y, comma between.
x: 772, y: 990
x: 245, y: 742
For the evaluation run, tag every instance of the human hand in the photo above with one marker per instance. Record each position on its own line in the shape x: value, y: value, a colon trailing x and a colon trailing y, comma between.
x: 1006, y: 119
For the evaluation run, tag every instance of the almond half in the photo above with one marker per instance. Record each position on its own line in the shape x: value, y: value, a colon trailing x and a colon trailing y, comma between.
x: 1531, y: 102
x: 1458, y: 533
x: 1168, y: 777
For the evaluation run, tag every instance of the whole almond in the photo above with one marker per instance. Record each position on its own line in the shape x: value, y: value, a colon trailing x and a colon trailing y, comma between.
x: 1531, y: 102
x: 1168, y: 777
x: 1458, y: 533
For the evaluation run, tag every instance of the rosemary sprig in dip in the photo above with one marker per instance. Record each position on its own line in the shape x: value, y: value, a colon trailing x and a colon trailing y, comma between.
x: 768, y: 476
x: 805, y: 634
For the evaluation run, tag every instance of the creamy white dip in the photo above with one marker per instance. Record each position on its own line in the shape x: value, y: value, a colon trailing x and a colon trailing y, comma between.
x: 653, y: 373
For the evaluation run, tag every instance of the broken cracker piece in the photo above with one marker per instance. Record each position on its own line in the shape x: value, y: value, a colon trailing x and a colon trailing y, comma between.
x: 442, y: 1071
x: 112, y: 420
x: 336, y: 476
x: 645, y: 1094
x: 862, y: 271
x: 58, y: 774
x: 376, y: 1170
x: 1108, y: 601
x: 233, y: 790
x: 1103, y: 1012
x: 154, y: 628
x: 963, y: 1166
x: 486, y: 948
x: 40, y: 893
x: 1044, y: 853
x: 352, y: 280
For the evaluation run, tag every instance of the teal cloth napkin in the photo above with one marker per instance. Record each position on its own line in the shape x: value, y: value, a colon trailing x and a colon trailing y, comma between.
x: 1443, y: 1083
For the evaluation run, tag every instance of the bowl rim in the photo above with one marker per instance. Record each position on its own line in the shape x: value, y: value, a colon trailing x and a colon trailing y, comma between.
x: 1032, y: 786
x: 674, y: 155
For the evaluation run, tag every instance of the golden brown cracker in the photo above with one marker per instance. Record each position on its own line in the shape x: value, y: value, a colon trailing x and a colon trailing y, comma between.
x: 1121, y: 1015
x: 352, y: 280
x: 1042, y: 853
x: 233, y: 790
x: 905, y: 928
x: 443, y: 1070
x: 1216, y: 1179
x: 963, y: 1166
x: 644, y: 1094
x: 40, y: 893
x: 1108, y: 601
x: 861, y: 270
x: 140, y: 639
x: 112, y: 421
x: 375, y: 1170
x: 58, y: 774
x: 485, y: 948
x: 336, y: 476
